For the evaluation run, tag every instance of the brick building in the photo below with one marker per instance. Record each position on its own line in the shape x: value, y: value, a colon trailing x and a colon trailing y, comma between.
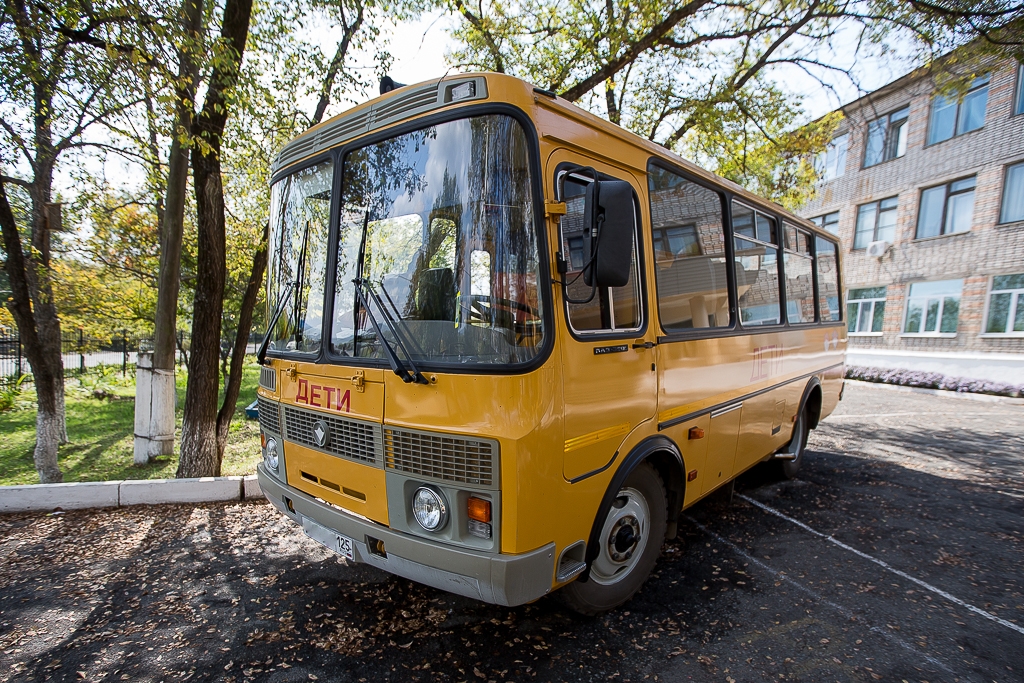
x: 927, y: 196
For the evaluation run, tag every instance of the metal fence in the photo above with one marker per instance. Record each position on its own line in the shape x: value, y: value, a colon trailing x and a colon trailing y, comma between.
x: 81, y: 352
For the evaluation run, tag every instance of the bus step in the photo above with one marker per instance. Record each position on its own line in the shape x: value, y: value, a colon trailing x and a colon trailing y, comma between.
x: 569, y: 569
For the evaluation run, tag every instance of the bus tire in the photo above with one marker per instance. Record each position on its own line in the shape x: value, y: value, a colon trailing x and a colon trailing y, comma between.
x: 796, y: 447
x: 631, y: 539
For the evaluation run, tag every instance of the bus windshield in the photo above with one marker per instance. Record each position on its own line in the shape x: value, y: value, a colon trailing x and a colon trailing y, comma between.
x: 439, y: 225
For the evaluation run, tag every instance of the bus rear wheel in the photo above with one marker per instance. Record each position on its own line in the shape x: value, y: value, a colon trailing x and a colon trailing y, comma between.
x: 630, y: 542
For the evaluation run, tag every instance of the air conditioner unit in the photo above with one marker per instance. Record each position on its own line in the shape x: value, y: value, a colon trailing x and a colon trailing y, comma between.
x: 878, y: 249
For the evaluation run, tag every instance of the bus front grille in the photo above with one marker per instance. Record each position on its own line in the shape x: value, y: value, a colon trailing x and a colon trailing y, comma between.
x: 345, y: 438
x: 270, y: 417
x: 441, y: 456
x: 268, y: 378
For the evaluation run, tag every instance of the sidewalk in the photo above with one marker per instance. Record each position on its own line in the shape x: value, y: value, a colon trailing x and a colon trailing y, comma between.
x: 111, y: 494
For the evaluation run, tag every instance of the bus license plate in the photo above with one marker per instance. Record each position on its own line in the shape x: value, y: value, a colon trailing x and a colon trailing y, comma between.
x: 343, y: 545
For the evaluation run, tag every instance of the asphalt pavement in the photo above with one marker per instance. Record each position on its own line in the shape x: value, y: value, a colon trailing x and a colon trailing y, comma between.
x: 896, y: 555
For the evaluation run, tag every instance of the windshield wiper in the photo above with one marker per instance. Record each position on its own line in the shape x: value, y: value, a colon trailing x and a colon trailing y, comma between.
x: 261, y: 355
x: 409, y: 374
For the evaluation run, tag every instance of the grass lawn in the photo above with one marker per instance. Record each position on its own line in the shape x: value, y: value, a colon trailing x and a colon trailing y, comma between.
x: 100, y: 432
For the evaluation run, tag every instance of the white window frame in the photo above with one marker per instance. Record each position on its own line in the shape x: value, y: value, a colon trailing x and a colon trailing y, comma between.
x: 947, y: 194
x: 831, y: 163
x: 1018, y: 95
x: 827, y: 227
x: 897, y: 146
x: 924, y: 312
x: 1006, y: 186
x: 1017, y: 299
x: 878, y: 214
x: 979, y: 83
x: 873, y: 301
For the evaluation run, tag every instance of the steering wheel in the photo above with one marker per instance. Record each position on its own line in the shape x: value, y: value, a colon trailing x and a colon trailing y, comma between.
x: 480, y: 307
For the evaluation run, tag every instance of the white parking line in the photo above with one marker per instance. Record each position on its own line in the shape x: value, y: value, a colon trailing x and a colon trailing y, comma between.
x: 861, y: 416
x: 818, y: 597
x: 886, y: 566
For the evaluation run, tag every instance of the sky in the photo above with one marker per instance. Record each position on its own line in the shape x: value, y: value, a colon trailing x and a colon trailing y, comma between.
x: 419, y: 50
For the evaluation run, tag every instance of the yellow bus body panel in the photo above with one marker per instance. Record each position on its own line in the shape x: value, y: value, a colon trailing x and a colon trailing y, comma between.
x: 350, y: 485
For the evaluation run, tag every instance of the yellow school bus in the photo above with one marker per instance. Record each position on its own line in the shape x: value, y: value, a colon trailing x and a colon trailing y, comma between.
x: 510, y: 342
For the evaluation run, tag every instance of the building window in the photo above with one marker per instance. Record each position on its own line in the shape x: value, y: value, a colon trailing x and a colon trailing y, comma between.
x: 1018, y: 106
x: 933, y: 307
x: 954, y: 117
x: 1006, y: 305
x: 829, y: 222
x: 946, y: 209
x: 832, y: 162
x: 676, y: 242
x: 887, y: 138
x: 875, y: 221
x: 865, y: 310
x: 1013, y: 195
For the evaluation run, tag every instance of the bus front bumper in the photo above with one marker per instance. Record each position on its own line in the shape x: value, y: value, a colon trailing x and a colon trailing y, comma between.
x: 499, y: 579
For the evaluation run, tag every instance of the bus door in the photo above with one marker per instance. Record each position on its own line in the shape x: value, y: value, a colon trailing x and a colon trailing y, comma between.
x: 608, y: 357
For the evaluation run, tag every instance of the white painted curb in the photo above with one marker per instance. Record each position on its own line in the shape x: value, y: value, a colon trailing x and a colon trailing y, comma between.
x: 110, y: 494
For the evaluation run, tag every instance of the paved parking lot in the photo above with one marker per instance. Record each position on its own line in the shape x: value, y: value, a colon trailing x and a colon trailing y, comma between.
x: 898, y: 555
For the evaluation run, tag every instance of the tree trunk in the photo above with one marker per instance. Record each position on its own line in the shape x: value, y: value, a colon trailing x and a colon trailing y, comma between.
x: 47, y: 369
x: 199, y: 452
x: 234, y: 384
x: 199, y: 449
x: 168, y: 283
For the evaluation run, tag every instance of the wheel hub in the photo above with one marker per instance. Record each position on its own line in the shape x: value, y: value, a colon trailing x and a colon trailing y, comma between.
x: 624, y: 537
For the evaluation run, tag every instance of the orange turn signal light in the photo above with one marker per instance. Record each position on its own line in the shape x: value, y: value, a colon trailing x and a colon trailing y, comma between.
x: 696, y: 433
x: 263, y: 439
x: 479, y: 509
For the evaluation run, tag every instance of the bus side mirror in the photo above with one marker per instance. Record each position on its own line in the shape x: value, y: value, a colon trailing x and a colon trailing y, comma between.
x: 609, y: 211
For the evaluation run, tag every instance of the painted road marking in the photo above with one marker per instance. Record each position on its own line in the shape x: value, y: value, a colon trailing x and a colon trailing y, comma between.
x: 817, y: 597
x: 858, y: 416
x: 887, y: 566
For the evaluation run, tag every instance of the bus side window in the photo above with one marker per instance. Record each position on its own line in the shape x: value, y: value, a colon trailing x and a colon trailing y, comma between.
x: 689, y: 253
x: 611, y: 308
x: 799, y: 276
x: 827, y: 271
x: 755, y: 242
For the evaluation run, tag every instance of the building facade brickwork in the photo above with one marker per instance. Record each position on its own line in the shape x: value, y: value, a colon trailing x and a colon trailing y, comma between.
x: 988, y: 248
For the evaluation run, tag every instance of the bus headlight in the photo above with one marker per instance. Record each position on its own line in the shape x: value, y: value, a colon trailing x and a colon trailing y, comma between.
x: 429, y: 508
x: 270, y: 456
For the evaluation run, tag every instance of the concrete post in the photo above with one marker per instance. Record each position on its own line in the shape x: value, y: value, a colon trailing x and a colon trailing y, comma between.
x: 154, y: 410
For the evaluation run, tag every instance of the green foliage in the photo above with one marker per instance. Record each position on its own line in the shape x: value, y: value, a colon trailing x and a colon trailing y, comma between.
x: 706, y: 77
x: 10, y: 392
x: 101, y: 432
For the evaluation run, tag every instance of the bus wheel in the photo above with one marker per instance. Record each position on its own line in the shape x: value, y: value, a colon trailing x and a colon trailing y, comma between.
x: 794, y: 450
x: 630, y: 539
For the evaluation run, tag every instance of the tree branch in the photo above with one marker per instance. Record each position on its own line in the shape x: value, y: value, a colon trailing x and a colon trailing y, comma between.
x: 635, y: 50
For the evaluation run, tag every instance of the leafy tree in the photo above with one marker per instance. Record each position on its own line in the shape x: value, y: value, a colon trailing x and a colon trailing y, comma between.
x: 53, y: 90
x: 699, y: 76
